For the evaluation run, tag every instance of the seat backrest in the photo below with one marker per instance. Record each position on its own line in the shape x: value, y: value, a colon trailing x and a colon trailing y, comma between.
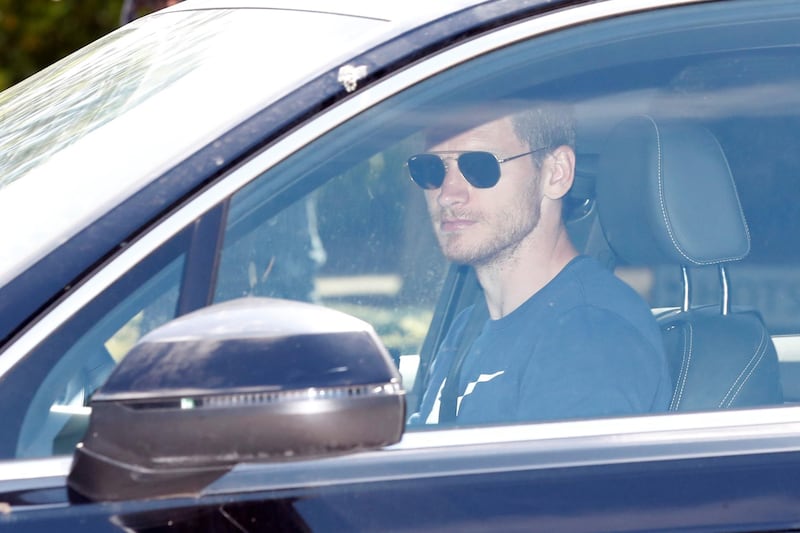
x: 665, y: 195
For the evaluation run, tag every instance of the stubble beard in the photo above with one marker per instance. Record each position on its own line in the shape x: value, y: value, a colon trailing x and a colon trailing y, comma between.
x: 496, y: 247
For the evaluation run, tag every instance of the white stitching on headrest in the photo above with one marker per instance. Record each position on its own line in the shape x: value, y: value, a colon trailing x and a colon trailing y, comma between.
x: 665, y: 216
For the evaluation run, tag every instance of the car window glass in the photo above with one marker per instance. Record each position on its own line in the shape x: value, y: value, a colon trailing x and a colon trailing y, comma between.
x: 731, y: 86
x: 310, y: 241
x: 52, y: 410
x: 70, y: 116
x: 360, y: 242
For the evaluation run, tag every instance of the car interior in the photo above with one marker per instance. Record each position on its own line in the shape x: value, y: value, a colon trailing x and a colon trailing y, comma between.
x: 686, y: 217
x: 685, y: 171
x: 689, y: 216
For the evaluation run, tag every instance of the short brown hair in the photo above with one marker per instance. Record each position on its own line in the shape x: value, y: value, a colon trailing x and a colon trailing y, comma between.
x: 541, y: 124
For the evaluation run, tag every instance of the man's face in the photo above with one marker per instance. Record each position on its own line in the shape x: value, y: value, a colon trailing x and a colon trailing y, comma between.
x: 480, y: 226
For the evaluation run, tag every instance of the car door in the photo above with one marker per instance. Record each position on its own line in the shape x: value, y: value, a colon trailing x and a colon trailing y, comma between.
x: 329, y: 215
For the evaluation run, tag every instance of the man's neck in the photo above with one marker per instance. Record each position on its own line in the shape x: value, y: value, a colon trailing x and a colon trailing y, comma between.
x: 510, y: 280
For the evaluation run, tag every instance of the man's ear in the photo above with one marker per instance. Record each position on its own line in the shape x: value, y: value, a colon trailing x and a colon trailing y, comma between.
x: 558, y: 172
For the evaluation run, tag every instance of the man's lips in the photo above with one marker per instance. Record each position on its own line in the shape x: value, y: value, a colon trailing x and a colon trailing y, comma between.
x: 455, y: 224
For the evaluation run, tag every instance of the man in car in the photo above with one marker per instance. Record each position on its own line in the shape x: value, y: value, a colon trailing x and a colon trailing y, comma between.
x: 564, y: 337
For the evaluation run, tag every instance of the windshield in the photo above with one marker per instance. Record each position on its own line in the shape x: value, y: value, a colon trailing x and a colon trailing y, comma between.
x: 91, y: 88
x: 79, y: 137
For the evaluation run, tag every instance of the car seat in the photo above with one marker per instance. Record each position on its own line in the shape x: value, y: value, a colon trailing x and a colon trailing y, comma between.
x: 666, y: 196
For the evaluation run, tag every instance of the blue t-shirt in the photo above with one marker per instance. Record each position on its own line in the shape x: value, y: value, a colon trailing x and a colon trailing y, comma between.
x: 585, y: 345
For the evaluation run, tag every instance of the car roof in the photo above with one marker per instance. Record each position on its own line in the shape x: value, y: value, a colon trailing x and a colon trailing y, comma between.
x: 415, y: 11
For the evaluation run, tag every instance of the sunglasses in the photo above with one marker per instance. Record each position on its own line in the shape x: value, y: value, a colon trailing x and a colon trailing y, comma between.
x: 480, y: 169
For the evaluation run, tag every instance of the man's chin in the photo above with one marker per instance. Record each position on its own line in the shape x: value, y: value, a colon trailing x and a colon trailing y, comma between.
x: 457, y: 248
x: 463, y: 256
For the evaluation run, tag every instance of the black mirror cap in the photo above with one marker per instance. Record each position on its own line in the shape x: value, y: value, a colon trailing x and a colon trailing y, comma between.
x: 254, y: 379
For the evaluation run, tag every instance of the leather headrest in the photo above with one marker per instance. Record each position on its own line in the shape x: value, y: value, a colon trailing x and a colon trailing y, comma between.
x: 665, y: 194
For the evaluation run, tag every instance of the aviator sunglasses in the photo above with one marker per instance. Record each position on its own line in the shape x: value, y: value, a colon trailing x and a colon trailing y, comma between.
x: 480, y: 169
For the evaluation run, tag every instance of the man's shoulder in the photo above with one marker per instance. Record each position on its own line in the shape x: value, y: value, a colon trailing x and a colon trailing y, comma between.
x: 592, y: 284
x: 592, y: 294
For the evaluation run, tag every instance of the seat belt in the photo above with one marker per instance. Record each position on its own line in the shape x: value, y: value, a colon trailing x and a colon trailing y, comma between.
x: 448, y: 404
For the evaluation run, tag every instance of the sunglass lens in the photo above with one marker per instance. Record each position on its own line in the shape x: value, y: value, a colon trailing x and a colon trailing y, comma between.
x: 427, y: 170
x: 479, y: 168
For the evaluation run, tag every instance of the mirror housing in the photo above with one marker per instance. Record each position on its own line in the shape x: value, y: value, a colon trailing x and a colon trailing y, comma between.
x: 253, y: 379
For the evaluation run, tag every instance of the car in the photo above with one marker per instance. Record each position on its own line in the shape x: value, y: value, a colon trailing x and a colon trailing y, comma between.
x: 222, y: 298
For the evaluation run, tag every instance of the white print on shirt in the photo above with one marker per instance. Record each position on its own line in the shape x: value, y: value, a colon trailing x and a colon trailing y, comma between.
x: 433, y: 416
x: 483, y: 378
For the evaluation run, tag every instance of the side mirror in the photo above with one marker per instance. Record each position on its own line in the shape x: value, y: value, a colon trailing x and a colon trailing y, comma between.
x: 253, y: 379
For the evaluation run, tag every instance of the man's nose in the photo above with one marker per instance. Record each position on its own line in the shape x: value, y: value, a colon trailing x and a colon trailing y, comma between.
x: 454, y: 189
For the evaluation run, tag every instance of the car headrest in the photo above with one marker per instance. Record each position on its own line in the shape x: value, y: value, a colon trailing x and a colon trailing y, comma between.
x: 665, y: 195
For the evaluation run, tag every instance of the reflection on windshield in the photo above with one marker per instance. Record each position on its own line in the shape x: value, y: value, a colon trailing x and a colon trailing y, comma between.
x: 65, y: 102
